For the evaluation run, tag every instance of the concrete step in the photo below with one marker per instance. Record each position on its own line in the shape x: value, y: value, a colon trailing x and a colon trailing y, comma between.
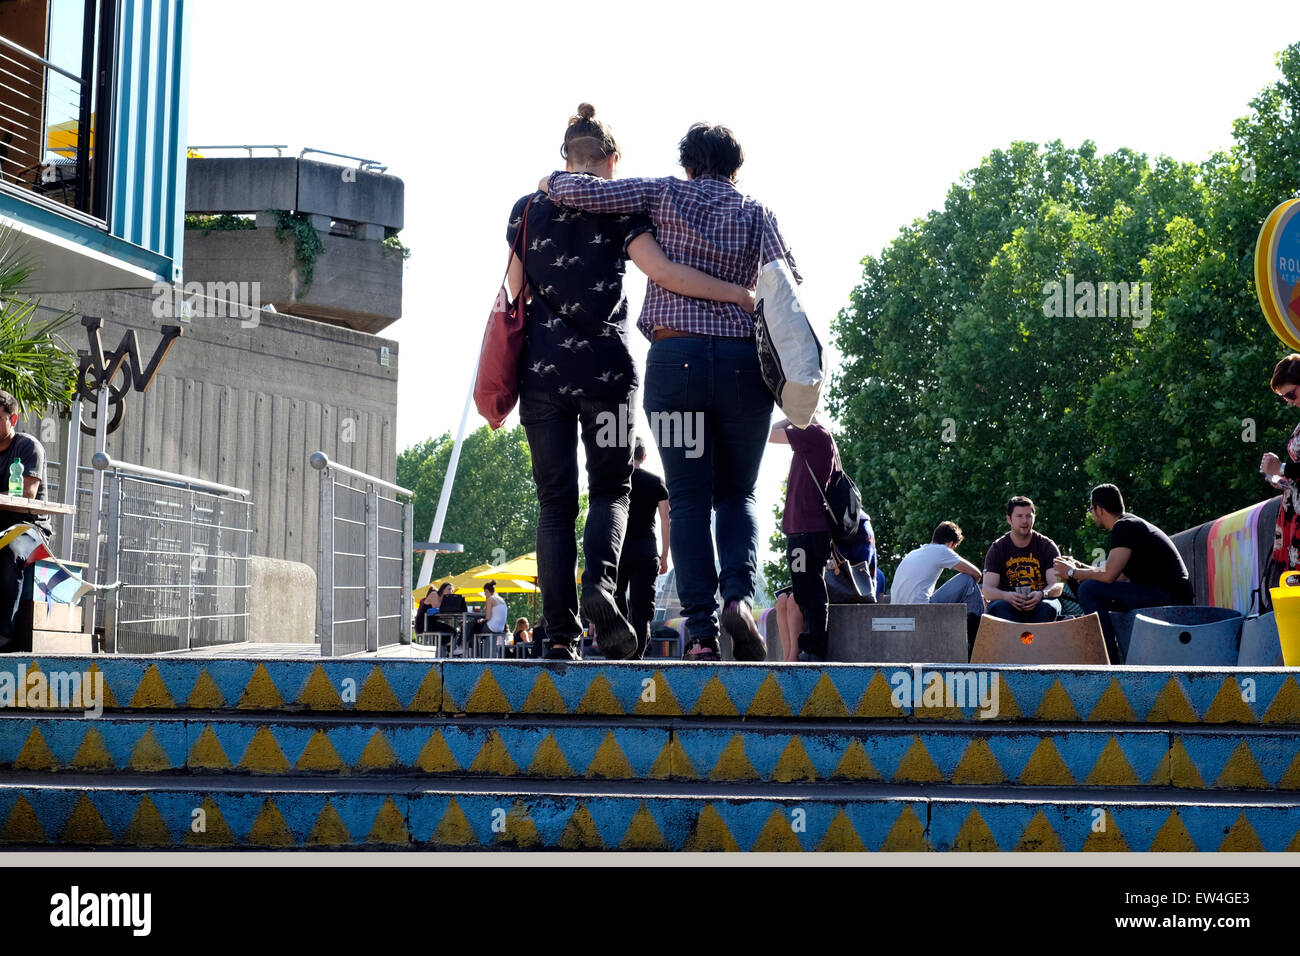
x: 301, y: 812
x: 939, y: 694
x: 1194, y: 758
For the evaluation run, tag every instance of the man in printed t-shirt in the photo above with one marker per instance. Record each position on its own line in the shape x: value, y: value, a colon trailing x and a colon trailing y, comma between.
x: 1020, y: 583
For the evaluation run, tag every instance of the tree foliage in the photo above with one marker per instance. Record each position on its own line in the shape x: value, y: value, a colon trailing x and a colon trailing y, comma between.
x: 958, y: 389
x: 37, y: 367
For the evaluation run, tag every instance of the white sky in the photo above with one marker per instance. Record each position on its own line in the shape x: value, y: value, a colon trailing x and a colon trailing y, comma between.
x: 855, y: 119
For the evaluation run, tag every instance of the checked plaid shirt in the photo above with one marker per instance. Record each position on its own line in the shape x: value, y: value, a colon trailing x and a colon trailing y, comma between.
x: 706, y: 223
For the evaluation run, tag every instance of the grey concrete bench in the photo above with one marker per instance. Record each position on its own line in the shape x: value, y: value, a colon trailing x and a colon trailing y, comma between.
x: 898, y: 633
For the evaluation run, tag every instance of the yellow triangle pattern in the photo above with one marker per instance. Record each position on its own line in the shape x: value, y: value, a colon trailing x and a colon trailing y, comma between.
x: 710, y: 834
x: 1039, y: 837
x: 376, y: 695
x: 453, y: 829
x: 147, y: 827
x: 378, y: 754
x: 769, y: 700
x: 794, y: 764
x: 714, y: 701
x: 428, y: 697
x: 487, y: 697
x: 320, y: 755
x: 1112, y: 768
x: 1285, y: 708
x: 435, y: 756
x: 1291, y: 779
x: 974, y: 836
x: 269, y: 829
x: 493, y: 757
x: 206, y: 695
x: 22, y: 825
x: 841, y: 837
x: 855, y: 764
x: 1056, y: 705
x: 917, y: 766
x: 824, y: 701
x: 610, y: 761
x: 1242, y: 772
x: 877, y: 700
x: 544, y: 698
x: 1008, y: 709
x: 207, y: 753
x: 599, y: 699
x: 318, y: 693
x: 85, y: 827
x: 329, y: 828
x: 1173, y: 837
x: 777, y: 836
x: 906, y: 835
x: 1109, y: 840
x: 1228, y: 706
x: 643, y: 833
x: 1182, y: 771
x: 148, y: 756
x: 665, y: 703
x: 978, y: 765
x: 151, y: 692
x: 260, y: 692
x: 549, y: 761
x: 263, y: 754
x: 1172, y: 706
x: 389, y: 829
x: 1113, y: 707
x: 36, y: 754
x: 215, y: 832
x: 733, y: 763
x: 110, y: 702
x: 1241, y: 838
x: 1046, y: 768
x: 673, y: 763
x: 520, y: 831
x: 580, y: 832
x: 93, y: 753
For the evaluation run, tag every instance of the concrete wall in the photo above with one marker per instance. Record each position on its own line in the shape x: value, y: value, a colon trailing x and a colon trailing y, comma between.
x: 247, y: 406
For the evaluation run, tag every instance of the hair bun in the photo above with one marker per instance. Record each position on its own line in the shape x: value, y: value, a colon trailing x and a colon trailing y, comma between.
x: 586, y: 111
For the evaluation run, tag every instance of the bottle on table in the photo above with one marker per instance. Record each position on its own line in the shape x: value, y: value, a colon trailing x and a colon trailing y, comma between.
x: 16, y: 479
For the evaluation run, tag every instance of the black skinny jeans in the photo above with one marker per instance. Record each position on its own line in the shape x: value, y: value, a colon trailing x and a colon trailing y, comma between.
x: 552, y: 424
x: 806, y: 554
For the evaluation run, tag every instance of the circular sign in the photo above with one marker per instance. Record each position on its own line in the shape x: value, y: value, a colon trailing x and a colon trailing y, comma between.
x: 1277, y: 272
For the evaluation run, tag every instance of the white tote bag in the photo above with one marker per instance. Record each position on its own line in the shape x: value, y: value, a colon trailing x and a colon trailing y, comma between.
x: 788, y: 351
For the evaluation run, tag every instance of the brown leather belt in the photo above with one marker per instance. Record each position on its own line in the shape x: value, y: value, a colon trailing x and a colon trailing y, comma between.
x: 666, y: 333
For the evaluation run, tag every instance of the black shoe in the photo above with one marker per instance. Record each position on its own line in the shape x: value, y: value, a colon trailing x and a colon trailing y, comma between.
x: 563, y: 652
x: 746, y: 643
x: 812, y: 650
x: 614, y: 635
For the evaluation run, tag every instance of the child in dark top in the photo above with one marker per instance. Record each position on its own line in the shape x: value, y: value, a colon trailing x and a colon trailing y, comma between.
x: 807, y: 530
x: 576, y: 370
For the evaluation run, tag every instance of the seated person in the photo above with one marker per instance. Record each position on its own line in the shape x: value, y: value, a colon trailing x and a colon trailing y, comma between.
x: 1143, y: 569
x: 18, y: 448
x: 433, y: 603
x: 919, y: 571
x: 1019, y: 580
x: 494, y: 611
x: 520, y: 639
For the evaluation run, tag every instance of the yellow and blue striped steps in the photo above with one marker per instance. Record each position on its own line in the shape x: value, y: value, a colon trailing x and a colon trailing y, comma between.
x: 416, y: 754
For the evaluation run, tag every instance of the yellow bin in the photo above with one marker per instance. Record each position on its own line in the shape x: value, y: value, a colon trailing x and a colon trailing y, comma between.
x: 1286, y: 611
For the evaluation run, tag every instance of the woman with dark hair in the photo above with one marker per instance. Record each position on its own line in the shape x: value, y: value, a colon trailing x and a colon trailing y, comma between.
x: 578, y: 376
x: 1285, y: 382
x: 428, y: 610
x: 703, y: 371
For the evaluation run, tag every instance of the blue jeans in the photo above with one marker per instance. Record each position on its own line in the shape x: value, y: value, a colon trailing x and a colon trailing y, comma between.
x: 552, y: 422
x: 710, y: 413
x: 1102, y: 598
x: 961, y: 589
x: 1045, y: 612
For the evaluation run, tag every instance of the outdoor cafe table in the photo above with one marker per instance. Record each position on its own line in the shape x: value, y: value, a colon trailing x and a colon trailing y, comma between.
x: 33, y: 507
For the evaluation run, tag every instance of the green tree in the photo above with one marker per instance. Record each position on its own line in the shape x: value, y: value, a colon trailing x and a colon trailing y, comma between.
x: 493, y: 507
x: 37, y: 367
x: 959, y: 387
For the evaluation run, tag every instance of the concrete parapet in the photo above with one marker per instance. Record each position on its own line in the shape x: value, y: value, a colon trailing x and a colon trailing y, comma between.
x: 897, y: 633
x: 281, y: 602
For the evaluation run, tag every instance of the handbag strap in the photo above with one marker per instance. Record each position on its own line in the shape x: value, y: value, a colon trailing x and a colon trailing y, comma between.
x: 520, y: 233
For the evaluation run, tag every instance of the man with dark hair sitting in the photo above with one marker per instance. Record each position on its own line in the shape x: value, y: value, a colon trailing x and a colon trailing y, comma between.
x: 1019, y: 580
x: 28, y: 455
x: 1143, y: 569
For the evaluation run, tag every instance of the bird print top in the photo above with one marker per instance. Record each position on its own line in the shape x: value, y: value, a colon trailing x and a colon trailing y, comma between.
x: 576, y: 335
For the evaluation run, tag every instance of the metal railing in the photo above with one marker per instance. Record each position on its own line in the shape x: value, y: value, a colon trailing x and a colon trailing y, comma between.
x: 47, y: 119
x: 180, y: 548
x: 363, y: 568
x: 279, y: 149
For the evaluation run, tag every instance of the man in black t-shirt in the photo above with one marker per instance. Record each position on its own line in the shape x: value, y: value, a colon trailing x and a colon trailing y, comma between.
x: 1143, y: 569
x: 641, y: 562
x: 26, y: 451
